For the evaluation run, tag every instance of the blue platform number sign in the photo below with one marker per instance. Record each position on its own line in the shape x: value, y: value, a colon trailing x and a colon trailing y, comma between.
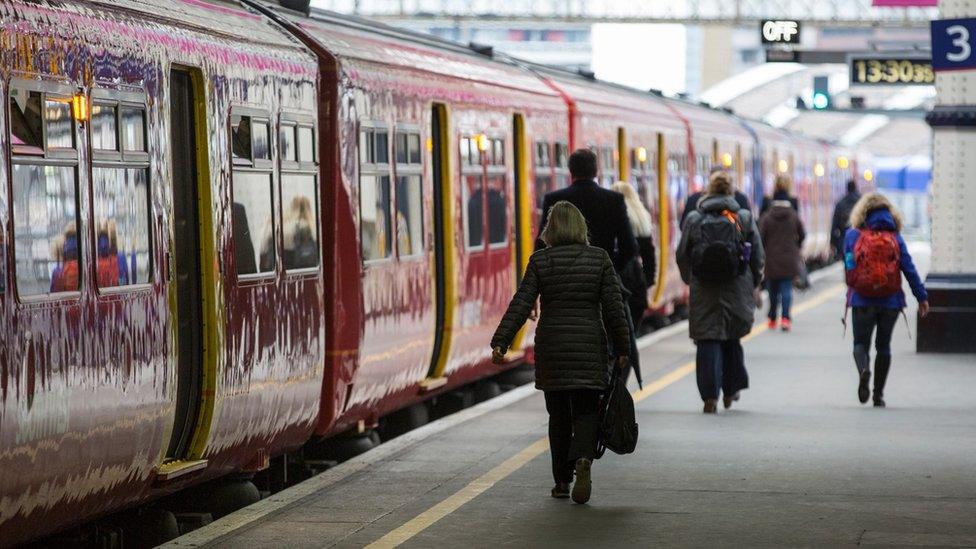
x: 953, y: 42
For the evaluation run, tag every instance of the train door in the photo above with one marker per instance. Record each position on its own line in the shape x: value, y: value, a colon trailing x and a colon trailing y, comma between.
x: 522, y: 220
x: 445, y: 256
x: 187, y: 271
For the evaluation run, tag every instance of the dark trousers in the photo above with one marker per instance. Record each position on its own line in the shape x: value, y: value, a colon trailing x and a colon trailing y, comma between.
x: 633, y: 355
x: 574, y: 422
x: 780, y: 291
x: 720, y: 365
x: 866, y: 319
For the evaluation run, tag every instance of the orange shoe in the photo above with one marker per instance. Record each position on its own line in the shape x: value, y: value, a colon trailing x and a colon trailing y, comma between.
x: 771, y: 324
x: 786, y: 325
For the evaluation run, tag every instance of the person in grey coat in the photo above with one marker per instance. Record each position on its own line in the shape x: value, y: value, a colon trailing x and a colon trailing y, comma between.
x: 721, y: 313
x: 580, y: 295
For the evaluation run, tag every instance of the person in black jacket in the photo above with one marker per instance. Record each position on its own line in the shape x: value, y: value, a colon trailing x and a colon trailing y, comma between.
x: 606, y: 220
x: 691, y: 204
x: 842, y: 217
x: 580, y: 294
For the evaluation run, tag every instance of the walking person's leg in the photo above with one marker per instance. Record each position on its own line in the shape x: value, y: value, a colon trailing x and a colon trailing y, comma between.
x: 864, y: 319
x: 708, y: 372
x: 773, y: 288
x: 735, y: 378
x: 586, y: 425
x: 560, y: 407
x: 887, y: 319
x: 786, y: 293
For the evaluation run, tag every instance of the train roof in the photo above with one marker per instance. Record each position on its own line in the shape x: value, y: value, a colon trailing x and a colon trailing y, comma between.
x: 373, y: 50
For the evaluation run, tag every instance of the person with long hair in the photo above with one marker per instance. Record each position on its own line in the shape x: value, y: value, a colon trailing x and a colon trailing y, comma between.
x: 782, y: 236
x: 578, y: 290
x: 638, y: 278
x: 875, y: 257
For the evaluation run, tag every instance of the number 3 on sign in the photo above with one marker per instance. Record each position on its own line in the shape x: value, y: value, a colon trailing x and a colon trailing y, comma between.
x: 960, y: 39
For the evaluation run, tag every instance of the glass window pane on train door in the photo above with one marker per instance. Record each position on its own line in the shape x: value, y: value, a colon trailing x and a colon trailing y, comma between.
x: 46, y: 240
x: 253, y: 223
x: 104, y: 127
x: 299, y: 221
x: 473, y: 196
x: 382, y: 149
x: 260, y: 136
x: 289, y: 153
x: 26, y: 135
x: 497, y: 211
x: 374, y: 210
x: 59, y: 125
x: 306, y: 144
x: 402, y: 148
x: 413, y: 141
x: 121, y: 203
x: 410, y: 238
x: 240, y: 131
x: 134, y: 129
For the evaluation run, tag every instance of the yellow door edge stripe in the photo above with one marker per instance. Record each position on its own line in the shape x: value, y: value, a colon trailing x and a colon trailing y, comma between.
x: 663, y: 221
x: 449, y: 251
x: 524, y: 240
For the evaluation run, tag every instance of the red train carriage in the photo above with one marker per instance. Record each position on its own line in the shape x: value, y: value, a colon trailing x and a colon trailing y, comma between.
x: 160, y: 306
x: 427, y: 152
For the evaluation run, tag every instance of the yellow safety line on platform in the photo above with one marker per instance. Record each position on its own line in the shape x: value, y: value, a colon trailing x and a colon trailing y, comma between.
x: 479, y: 485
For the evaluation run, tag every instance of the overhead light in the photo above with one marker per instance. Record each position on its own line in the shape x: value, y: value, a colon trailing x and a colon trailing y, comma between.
x: 843, y: 162
x: 818, y: 169
x: 727, y: 160
x: 868, y: 175
x: 641, y: 154
x: 483, y: 142
x: 784, y: 166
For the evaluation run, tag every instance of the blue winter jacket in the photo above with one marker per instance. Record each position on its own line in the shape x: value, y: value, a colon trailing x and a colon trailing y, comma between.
x: 881, y: 220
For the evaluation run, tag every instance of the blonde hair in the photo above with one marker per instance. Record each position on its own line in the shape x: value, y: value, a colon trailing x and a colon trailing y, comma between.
x: 566, y: 225
x: 640, y: 218
x: 783, y: 183
x: 720, y: 183
x: 869, y: 203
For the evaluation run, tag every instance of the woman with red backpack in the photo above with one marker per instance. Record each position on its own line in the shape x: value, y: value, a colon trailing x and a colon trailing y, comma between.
x: 875, y: 256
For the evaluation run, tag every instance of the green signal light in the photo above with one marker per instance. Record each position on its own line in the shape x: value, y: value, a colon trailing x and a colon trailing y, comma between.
x: 820, y: 101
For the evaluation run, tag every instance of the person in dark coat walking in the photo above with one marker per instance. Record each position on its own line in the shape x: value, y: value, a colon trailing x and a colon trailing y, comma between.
x: 607, y: 222
x: 691, y: 204
x: 782, y: 235
x: 874, y: 213
x: 720, y: 314
x: 580, y: 294
x: 842, y: 217
x: 782, y: 186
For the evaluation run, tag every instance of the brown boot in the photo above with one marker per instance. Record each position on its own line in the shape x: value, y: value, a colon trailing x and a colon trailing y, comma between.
x: 727, y: 400
x: 711, y: 406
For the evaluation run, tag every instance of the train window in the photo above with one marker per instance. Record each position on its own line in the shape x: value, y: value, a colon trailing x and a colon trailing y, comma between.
x: 260, y: 146
x: 306, y: 144
x: 121, y: 206
x: 104, y: 127
x: 134, y: 129
x: 409, y: 222
x: 498, y: 152
x: 26, y: 121
x: 562, y: 155
x: 413, y: 141
x: 240, y: 130
x: 497, y: 218
x: 300, y: 221
x: 473, y: 196
x: 289, y: 152
x: 47, y: 247
x: 59, y: 124
x: 542, y: 154
x: 253, y: 222
x: 374, y: 211
x: 409, y: 195
x: 465, y: 149
x: 382, y: 147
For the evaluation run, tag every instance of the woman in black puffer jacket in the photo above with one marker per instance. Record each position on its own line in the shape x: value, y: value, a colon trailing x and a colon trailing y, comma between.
x: 579, y: 291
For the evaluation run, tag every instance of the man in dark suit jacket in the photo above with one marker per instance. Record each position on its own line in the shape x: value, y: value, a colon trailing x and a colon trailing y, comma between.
x: 604, y: 210
x: 608, y: 224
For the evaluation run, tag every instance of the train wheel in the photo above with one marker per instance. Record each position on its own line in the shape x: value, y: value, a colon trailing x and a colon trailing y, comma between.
x: 517, y: 376
x: 405, y: 420
x: 486, y: 390
x: 342, y: 448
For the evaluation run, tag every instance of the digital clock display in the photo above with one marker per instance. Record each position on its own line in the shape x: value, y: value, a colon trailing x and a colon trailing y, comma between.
x: 895, y: 71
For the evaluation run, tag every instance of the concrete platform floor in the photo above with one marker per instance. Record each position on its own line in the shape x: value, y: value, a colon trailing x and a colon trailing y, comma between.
x: 797, y: 462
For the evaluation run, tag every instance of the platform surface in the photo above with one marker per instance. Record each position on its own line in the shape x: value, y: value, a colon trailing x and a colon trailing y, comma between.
x: 797, y: 462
